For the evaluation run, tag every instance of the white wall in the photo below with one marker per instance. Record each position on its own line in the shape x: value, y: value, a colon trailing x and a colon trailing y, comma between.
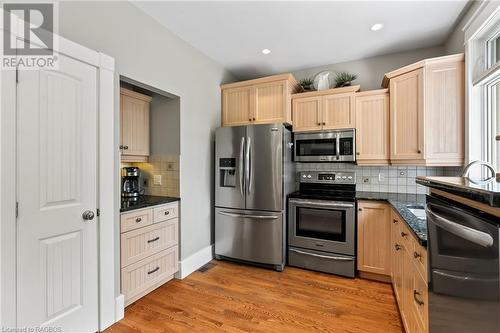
x: 165, y: 125
x: 147, y: 52
x: 371, y: 70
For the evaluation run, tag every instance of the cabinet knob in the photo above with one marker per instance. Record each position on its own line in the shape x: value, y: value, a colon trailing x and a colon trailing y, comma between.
x: 360, y: 209
x: 394, y: 221
x: 121, y: 146
x: 397, y: 247
x: 403, y: 234
x: 319, y: 124
x: 324, y: 123
x: 138, y: 220
x: 419, y: 151
x: 249, y: 119
x: 125, y: 147
x: 253, y: 119
x: 416, y: 255
x: 357, y: 153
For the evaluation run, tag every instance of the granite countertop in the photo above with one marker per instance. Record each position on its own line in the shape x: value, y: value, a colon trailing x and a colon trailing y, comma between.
x: 144, y: 201
x: 400, y: 202
x: 480, y: 191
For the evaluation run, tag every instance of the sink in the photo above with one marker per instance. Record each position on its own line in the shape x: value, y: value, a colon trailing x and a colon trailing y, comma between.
x: 417, y: 210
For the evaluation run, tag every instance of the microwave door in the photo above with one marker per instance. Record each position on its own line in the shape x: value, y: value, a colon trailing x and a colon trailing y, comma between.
x: 230, y: 144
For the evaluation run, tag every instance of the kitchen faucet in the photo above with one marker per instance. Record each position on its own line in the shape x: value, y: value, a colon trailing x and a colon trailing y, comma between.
x: 465, y: 172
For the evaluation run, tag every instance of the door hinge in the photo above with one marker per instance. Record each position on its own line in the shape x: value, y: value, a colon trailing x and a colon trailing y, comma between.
x: 98, y: 212
x: 17, y: 209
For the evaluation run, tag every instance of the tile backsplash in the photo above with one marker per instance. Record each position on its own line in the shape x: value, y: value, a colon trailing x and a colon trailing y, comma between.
x: 160, y: 176
x: 394, y: 179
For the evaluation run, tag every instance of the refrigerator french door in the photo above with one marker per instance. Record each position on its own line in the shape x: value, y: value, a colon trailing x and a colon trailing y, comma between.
x: 253, y: 177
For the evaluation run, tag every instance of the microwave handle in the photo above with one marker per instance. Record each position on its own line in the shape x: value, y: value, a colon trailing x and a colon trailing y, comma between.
x: 337, y: 145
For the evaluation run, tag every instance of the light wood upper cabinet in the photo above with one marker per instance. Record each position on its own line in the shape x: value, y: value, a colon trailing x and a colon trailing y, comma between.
x: 335, y: 109
x: 237, y: 104
x: 427, y: 112
x: 372, y: 127
x: 134, y: 125
x: 261, y: 101
x: 306, y: 113
x: 374, y: 237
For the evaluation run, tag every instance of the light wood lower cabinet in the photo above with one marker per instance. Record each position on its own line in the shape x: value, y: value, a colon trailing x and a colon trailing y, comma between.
x: 374, y: 237
x: 149, y: 249
x: 409, y: 276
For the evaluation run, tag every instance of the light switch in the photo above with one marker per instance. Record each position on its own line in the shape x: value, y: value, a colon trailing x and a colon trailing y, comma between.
x: 157, y: 180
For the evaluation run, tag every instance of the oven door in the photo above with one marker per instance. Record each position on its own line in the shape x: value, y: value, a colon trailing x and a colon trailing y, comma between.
x: 322, y: 225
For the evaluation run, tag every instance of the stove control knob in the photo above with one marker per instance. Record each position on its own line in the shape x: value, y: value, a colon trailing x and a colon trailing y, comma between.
x: 344, y: 177
x: 309, y: 176
x: 350, y: 177
x: 304, y: 176
x: 338, y: 177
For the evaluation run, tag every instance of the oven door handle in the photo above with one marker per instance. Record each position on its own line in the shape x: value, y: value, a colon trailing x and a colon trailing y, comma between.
x: 472, y: 235
x: 322, y: 256
x: 257, y: 217
x: 315, y: 203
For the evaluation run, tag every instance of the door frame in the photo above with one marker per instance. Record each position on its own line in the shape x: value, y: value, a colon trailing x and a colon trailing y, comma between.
x: 110, y: 302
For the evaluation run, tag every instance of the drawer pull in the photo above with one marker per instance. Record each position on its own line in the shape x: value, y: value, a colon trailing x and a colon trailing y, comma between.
x: 417, y: 300
x: 416, y: 255
x: 404, y: 234
x: 154, y: 270
x: 153, y: 240
x: 167, y: 212
x: 137, y: 220
x: 397, y: 247
x: 394, y: 221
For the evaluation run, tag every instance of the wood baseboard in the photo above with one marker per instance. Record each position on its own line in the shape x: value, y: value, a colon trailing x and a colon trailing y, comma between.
x: 374, y: 276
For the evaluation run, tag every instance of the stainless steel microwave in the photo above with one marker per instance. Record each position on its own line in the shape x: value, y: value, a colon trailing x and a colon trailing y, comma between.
x: 325, y: 146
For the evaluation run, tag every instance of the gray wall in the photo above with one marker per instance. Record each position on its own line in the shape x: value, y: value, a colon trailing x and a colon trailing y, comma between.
x: 455, y: 42
x: 165, y: 129
x: 371, y: 70
x: 147, y: 52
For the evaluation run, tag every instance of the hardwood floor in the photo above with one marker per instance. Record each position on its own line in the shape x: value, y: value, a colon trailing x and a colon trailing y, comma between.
x: 228, y: 297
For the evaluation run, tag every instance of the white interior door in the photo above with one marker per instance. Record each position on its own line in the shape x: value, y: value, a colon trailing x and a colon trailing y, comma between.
x: 57, y: 255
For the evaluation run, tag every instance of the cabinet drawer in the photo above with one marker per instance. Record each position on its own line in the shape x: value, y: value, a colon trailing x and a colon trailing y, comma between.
x: 419, y: 255
x: 419, y: 296
x: 165, y: 212
x: 141, y: 243
x: 141, y: 277
x: 136, y: 219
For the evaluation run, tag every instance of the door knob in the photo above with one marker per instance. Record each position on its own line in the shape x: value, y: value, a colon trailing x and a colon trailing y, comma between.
x: 88, y: 215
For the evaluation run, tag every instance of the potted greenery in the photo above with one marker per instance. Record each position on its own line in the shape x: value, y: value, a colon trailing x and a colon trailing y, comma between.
x: 344, y: 79
x: 306, y: 84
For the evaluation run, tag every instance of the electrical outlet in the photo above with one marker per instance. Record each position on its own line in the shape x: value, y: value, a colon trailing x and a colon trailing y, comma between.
x: 381, y: 177
x: 157, y: 180
x: 366, y: 180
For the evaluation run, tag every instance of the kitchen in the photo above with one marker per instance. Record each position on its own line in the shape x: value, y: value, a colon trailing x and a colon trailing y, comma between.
x: 291, y: 180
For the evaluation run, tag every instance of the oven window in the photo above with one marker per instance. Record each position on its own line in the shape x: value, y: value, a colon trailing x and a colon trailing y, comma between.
x: 327, y: 224
x: 316, y: 147
x: 454, y: 246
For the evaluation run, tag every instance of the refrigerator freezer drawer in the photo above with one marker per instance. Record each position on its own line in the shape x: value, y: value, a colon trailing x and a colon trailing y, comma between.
x: 253, y: 236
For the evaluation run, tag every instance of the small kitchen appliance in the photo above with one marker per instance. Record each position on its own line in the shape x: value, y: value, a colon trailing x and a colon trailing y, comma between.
x: 130, y: 182
x: 322, y: 223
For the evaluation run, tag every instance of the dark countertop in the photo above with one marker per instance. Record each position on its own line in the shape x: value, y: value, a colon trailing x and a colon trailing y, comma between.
x: 487, y: 193
x: 400, y: 201
x: 145, y: 201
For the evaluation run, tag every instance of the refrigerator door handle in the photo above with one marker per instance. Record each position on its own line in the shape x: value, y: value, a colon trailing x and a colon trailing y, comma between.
x: 258, y: 217
x: 248, y: 165
x: 472, y: 235
x: 240, y: 167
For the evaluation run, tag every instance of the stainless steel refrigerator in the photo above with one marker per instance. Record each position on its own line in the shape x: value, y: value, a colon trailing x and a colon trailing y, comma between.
x: 253, y: 176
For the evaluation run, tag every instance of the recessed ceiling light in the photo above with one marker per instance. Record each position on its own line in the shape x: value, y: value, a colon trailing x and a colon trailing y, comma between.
x: 376, y: 27
x: 266, y: 51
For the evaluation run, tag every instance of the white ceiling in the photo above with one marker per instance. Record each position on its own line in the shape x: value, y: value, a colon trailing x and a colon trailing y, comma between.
x: 303, y: 34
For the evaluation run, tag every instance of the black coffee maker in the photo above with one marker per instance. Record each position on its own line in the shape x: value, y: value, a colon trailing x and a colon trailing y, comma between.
x: 130, y: 182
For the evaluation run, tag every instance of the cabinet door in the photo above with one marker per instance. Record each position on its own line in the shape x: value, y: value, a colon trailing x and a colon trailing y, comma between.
x: 374, y: 237
x: 134, y: 124
x: 271, y: 101
x: 306, y: 114
x: 338, y: 111
x: 406, y: 116
x: 372, y: 129
x: 238, y: 106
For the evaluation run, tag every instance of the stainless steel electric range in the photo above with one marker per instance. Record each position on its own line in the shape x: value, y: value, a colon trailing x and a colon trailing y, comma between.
x: 322, y: 223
